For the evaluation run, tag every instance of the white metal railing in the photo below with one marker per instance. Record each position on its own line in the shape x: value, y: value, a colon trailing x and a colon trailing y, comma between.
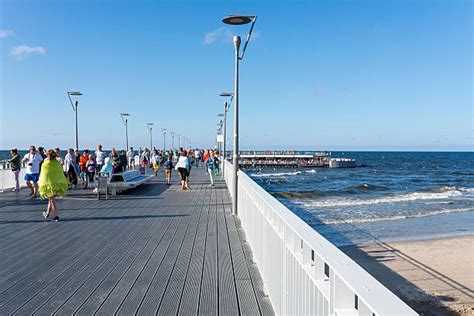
x: 305, y: 274
x: 7, y: 178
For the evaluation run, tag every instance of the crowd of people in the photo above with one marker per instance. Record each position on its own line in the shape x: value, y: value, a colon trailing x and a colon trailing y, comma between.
x: 49, y: 175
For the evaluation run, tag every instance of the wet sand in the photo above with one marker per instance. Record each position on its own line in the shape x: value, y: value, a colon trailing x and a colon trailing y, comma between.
x: 434, y: 277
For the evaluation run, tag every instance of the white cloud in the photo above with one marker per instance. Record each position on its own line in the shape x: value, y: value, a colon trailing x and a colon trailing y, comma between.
x: 20, y: 52
x: 225, y: 35
x: 222, y: 33
x: 6, y: 33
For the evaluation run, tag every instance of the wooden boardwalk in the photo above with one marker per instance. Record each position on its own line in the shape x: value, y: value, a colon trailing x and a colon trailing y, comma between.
x: 153, y: 250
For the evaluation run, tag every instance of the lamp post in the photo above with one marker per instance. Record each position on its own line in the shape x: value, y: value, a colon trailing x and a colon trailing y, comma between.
x: 226, y: 108
x: 124, y: 117
x: 238, y: 20
x: 219, y: 133
x: 164, y: 137
x: 150, y: 129
x: 74, y: 108
x: 172, y: 141
x: 179, y: 141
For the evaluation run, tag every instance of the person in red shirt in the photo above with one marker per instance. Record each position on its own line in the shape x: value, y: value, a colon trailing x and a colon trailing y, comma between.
x: 83, y: 167
x: 204, y: 159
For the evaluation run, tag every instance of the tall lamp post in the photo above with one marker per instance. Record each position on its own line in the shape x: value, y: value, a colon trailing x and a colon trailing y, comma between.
x: 150, y: 129
x: 238, y: 20
x: 164, y: 137
x: 179, y: 141
x: 172, y: 140
x: 226, y: 108
x: 74, y: 108
x: 124, y: 117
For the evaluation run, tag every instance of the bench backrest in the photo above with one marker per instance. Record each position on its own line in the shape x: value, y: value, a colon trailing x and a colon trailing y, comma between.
x: 126, y: 176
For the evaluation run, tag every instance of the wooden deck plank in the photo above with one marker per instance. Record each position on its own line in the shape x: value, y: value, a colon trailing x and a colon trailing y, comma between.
x: 154, y: 249
x: 169, y: 304
x: 189, y: 300
x: 208, y: 302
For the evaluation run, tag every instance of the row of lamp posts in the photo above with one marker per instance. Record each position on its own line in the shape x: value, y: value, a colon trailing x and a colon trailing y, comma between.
x: 239, y: 55
x: 124, y: 116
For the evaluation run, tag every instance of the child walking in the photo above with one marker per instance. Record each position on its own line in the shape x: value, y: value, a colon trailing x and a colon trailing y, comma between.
x: 168, y: 165
x: 52, y: 183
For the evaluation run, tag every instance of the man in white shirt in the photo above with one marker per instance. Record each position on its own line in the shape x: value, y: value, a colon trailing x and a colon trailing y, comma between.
x: 197, y: 157
x: 99, y: 157
x: 33, y: 160
x: 131, y: 156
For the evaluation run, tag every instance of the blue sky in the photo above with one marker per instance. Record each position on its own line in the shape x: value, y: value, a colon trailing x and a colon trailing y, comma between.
x: 347, y: 75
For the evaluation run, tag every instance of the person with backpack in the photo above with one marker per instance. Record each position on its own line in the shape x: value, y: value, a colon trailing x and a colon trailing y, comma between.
x: 168, y: 166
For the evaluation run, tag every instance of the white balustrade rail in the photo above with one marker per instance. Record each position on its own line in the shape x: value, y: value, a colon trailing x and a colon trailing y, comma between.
x: 7, y: 178
x: 305, y: 274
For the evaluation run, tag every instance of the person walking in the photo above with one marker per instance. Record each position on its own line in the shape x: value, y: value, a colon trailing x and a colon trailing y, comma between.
x: 115, y: 161
x: 83, y: 167
x: 123, y: 160
x: 156, y: 161
x: 99, y: 157
x: 131, y: 157
x: 217, y: 164
x: 91, y: 167
x: 52, y: 183
x: 183, y: 166
x: 15, y: 167
x: 211, y: 165
x: 70, y: 167
x: 33, y: 160
x: 168, y: 166
x: 197, y: 157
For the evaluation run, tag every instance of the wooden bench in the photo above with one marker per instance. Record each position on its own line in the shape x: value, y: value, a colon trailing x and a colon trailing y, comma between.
x: 127, y: 180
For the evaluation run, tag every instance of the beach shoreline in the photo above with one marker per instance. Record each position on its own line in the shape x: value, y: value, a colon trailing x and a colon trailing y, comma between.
x: 433, y: 276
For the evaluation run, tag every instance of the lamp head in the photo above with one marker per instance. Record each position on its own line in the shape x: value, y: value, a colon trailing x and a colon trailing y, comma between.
x: 76, y: 93
x: 124, y: 114
x: 237, y: 19
x: 226, y: 94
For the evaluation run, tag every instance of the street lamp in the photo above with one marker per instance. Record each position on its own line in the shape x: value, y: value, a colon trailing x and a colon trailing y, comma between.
x: 164, y: 137
x: 238, y: 20
x: 124, y: 117
x: 226, y: 108
x: 172, y: 141
x: 150, y: 128
x: 219, y: 133
x: 179, y: 141
x: 74, y: 108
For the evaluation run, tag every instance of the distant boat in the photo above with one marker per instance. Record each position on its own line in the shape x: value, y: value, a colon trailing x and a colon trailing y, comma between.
x: 342, y: 163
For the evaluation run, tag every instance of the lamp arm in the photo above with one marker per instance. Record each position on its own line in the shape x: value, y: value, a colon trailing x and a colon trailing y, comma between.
x: 248, y: 37
x: 70, y: 100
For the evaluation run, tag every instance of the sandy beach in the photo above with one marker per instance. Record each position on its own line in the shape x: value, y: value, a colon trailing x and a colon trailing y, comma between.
x: 434, y: 277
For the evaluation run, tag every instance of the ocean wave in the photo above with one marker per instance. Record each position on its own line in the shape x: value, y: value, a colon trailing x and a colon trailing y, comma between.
x: 299, y: 195
x: 442, y: 193
x: 392, y: 218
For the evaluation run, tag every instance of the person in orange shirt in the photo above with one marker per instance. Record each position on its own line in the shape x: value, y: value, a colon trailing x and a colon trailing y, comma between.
x: 83, y: 167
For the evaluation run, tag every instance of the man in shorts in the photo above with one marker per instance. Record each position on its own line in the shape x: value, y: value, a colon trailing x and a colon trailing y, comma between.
x: 33, y: 160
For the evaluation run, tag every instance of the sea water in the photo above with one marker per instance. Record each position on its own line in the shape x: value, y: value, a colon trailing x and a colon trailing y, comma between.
x: 389, y: 196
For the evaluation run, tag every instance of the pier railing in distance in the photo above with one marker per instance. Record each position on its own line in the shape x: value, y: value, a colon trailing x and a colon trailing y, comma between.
x: 303, y: 273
